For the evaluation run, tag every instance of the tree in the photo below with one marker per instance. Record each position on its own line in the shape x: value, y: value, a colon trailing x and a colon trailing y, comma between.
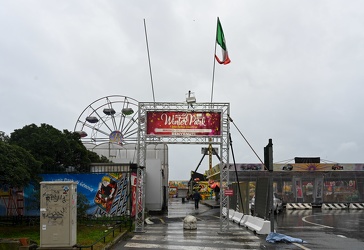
x: 3, y: 137
x: 56, y: 150
x: 17, y: 166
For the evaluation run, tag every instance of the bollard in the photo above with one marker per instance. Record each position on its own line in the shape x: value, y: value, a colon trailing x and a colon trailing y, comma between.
x: 190, y: 222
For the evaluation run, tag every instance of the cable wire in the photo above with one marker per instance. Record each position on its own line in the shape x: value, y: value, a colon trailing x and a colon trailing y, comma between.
x: 231, y: 120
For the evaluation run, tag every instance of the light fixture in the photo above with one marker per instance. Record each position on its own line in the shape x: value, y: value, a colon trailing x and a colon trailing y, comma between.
x: 190, y: 97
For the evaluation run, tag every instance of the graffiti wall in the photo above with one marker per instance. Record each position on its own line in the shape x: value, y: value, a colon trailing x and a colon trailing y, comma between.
x: 107, y: 193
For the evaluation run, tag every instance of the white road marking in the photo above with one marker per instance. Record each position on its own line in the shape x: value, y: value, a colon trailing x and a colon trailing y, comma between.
x: 300, y: 246
x: 301, y: 227
x: 316, y: 224
x: 222, y: 242
x: 215, y: 239
x: 175, y: 247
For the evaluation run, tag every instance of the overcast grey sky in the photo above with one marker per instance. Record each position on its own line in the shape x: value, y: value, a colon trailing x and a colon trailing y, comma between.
x: 295, y: 76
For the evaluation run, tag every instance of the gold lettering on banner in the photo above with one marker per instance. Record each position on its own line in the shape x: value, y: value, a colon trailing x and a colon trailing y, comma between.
x: 185, y: 119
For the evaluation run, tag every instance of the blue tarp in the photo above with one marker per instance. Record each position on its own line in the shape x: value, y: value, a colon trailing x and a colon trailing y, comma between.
x: 276, y: 237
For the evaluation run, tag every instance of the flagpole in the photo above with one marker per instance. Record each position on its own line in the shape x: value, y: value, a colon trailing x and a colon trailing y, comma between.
x: 150, y: 67
x: 212, y: 94
x: 213, y: 69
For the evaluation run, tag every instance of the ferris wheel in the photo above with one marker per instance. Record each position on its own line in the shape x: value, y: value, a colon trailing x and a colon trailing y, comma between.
x: 109, y: 123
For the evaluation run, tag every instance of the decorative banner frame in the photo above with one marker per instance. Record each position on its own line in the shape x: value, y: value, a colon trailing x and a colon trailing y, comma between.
x: 181, y: 123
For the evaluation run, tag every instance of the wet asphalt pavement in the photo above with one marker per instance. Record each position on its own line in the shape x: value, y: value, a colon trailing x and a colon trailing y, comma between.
x: 326, y: 229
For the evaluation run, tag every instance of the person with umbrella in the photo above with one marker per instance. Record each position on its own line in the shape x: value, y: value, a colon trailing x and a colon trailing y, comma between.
x: 216, y: 187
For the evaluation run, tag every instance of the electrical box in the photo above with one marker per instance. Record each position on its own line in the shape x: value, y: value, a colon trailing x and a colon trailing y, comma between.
x: 58, y: 214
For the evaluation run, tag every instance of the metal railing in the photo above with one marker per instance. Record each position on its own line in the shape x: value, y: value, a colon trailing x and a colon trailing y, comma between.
x: 126, y: 223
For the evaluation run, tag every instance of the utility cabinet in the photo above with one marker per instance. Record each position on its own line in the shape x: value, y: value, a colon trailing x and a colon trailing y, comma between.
x: 58, y: 214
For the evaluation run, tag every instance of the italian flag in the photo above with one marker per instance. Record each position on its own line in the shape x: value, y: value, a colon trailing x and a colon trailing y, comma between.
x: 220, y: 40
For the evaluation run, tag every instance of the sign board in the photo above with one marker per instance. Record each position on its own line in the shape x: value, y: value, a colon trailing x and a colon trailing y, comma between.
x: 229, y: 192
x: 182, y: 123
x: 205, y: 151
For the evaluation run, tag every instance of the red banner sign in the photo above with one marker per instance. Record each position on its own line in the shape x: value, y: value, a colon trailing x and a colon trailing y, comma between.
x: 177, y: 123
x: 229, y: 192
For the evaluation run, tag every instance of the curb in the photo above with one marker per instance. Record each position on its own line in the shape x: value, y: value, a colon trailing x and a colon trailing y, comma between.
x: 209, y: 204
x: 116, y: 240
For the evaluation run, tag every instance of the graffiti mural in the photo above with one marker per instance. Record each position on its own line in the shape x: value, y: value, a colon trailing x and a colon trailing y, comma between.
x: 107, y: 193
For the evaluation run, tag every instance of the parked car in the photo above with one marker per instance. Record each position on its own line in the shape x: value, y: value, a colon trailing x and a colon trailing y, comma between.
x: 277, y: 204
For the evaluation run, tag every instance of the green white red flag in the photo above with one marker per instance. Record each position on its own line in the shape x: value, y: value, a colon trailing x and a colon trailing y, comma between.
x: 220, y: 40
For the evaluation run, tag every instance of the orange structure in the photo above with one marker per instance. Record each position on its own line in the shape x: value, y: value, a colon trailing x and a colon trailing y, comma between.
x: 13, y: 200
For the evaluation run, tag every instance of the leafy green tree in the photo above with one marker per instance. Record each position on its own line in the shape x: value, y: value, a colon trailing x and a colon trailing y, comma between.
x: 56, y: 150
x: 17, y: 166
x: 3, y: 136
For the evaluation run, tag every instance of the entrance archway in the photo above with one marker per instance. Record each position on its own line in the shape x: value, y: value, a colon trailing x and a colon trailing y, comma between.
x: 183, y: 123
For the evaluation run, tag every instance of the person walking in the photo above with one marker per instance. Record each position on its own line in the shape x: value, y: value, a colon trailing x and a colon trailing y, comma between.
x: 217, y: 193
x: 197, y: 197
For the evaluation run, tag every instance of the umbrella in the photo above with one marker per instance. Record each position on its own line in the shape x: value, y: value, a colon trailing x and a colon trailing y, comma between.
x: 213, y: 185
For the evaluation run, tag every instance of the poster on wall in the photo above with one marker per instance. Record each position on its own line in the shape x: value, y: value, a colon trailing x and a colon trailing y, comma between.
x: 106, y: 193
x: 319, y: 187
x: 133, y: 193
x: 181, y: 123
x: 298, y: 185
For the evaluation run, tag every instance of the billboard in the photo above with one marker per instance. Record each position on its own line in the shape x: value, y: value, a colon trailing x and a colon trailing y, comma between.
x: 313, y: 167
x: 181, y: 123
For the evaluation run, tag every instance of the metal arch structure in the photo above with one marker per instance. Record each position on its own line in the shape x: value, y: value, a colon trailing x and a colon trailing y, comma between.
x: 221, y: 140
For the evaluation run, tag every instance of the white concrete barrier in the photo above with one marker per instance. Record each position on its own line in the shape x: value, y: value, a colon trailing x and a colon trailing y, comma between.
x: 357, y: 206
x: 231, y: 214
x: 237, y: 217
x: 244, y: 219
x: 224, y: 211
x: 258, y: 225
x: 332, y: 206
x: 298, y: 206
